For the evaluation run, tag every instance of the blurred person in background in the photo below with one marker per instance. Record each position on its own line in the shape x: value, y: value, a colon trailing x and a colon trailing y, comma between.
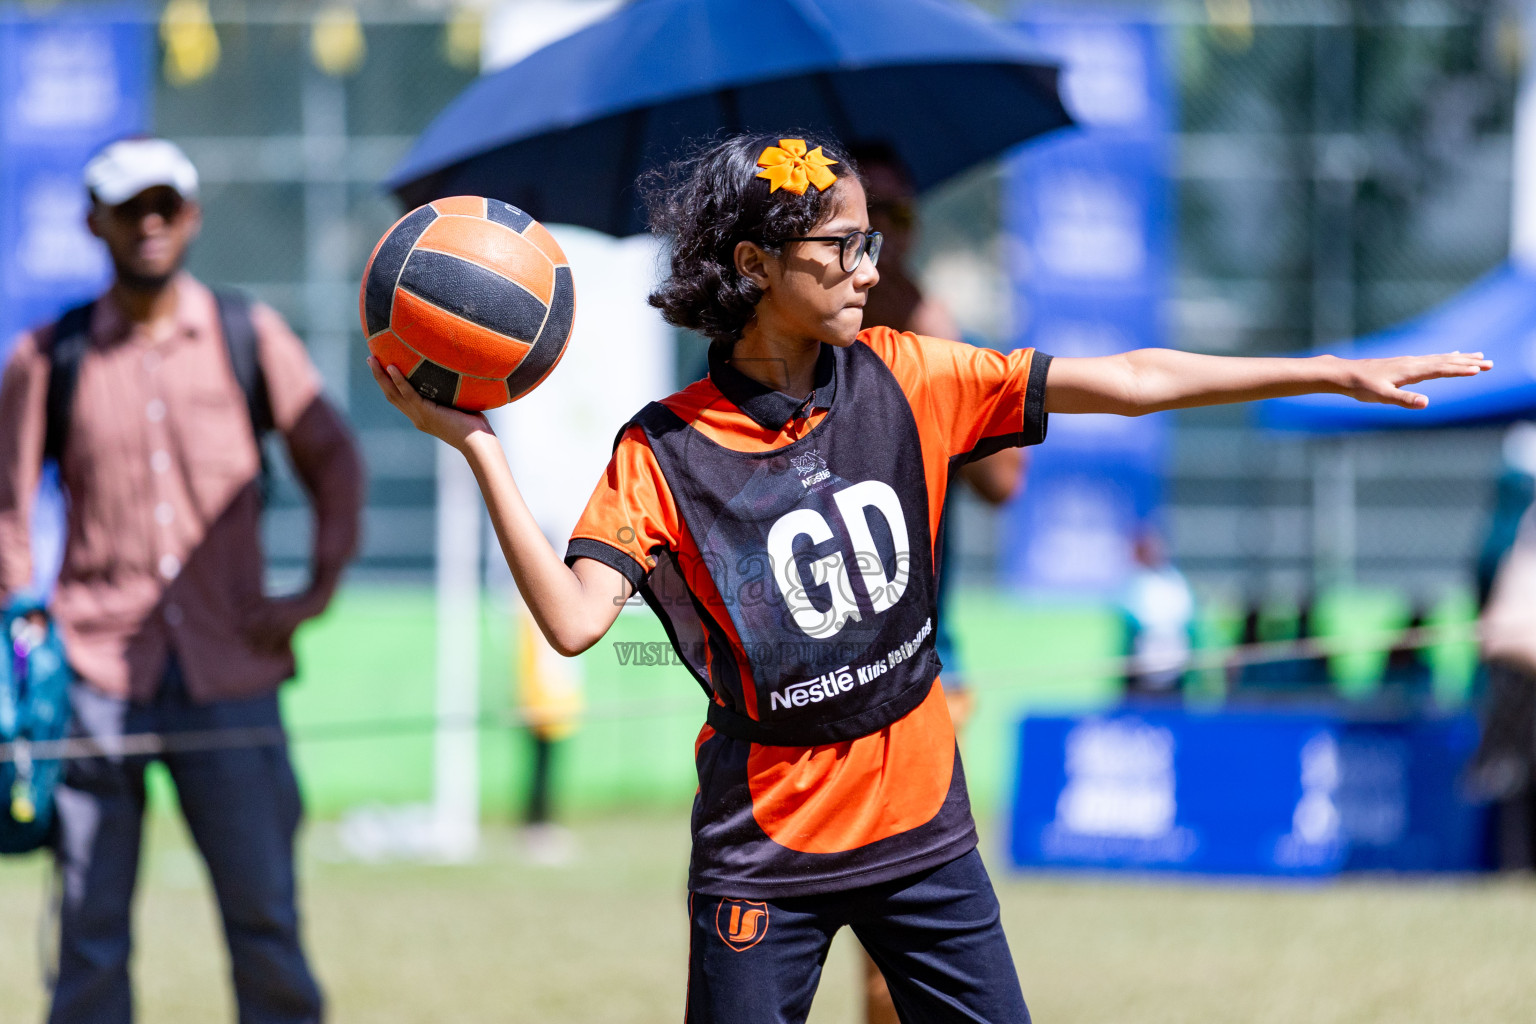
x: 160, y: 598
x: 1159, y: 611
x: 898, y: 302
x: 549, y: 701
x: 619, y: 355
x: 1294, y: 674
x: 1513, y: 495
x: 1503, y: 770
x: 1407, y: 679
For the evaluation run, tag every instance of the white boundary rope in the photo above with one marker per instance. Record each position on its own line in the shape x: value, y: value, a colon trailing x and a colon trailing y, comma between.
x: 149, y: 744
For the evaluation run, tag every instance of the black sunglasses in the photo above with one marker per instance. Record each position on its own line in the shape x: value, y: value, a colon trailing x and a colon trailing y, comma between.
x: 850, y: 247
x: 167, y: 203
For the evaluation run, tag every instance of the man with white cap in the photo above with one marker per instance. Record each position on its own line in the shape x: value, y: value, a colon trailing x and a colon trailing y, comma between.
x: 152, y: 399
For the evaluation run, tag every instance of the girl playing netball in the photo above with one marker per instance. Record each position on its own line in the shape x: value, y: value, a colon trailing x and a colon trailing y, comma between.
x: 779, y: 517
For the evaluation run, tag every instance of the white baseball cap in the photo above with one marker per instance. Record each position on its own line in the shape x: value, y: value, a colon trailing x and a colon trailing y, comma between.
x: 124, y: 169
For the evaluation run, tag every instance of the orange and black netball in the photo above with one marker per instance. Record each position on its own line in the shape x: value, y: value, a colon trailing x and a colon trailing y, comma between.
x: 471, y: 299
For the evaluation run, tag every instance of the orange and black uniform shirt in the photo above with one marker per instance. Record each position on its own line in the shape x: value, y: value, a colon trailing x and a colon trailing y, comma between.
x: 866, y: 459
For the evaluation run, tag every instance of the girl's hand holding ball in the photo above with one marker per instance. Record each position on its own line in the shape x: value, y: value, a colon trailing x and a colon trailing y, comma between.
x: 452, y: 426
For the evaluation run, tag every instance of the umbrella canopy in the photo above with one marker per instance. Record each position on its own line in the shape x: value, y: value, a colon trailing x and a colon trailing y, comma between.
x: 565, y: 132
x: 1495, y: 316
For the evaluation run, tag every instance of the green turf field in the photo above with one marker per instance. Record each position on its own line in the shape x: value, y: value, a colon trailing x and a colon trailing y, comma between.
x: 604, y: 941
x: 370, y: 659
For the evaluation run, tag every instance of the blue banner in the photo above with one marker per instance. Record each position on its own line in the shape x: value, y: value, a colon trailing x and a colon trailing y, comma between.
x: 1246, y: 793
x: 72, y: 78
x: 1089, y: 215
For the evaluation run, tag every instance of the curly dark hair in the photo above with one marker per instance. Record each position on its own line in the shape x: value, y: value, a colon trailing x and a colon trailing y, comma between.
x: 711, y: 200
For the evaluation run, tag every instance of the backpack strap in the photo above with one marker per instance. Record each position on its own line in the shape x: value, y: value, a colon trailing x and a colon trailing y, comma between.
x: 239, y: 332
x: 71, y: 337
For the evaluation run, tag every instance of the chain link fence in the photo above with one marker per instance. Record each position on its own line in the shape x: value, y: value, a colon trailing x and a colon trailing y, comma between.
x: 1340, y: 166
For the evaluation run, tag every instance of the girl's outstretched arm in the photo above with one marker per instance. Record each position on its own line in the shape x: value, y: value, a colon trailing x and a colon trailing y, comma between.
x: 1154, y: 379
x: 573, y: 605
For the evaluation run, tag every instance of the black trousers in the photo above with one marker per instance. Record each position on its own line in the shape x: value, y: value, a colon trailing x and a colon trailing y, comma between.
x: 242, y: 807
x: 936, y: 936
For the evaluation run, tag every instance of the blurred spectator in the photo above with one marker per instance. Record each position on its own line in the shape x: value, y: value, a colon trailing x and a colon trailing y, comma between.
x: 1408, y: 676
x: 1288, y: 676
x: 1513, y: 494
x: 1502, y: 768
x: 620, y: 355
x: 152, y: 399
x: 1159, y: 612
x: 549, y: 698
x: 898, y: 302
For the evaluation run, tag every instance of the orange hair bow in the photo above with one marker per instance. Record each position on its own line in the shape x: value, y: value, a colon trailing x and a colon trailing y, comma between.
x: 790, y: 167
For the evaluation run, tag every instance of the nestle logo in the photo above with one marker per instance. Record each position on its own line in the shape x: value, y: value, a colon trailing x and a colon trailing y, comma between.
x: 812, y: 467
x: 813, y: 691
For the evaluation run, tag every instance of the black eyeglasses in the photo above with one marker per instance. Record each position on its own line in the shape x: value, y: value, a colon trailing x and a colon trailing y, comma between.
x: 850, y: 247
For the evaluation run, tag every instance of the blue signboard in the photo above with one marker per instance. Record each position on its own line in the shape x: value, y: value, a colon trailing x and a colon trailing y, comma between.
x: 72, y: 78
x: 1089, y: 214
x: 1245, y: 793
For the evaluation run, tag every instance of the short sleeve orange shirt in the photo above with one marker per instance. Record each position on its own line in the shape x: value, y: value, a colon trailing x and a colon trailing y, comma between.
x: 779, y: 821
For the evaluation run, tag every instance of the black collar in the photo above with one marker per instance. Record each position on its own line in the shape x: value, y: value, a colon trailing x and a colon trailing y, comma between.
x: 770, y: 409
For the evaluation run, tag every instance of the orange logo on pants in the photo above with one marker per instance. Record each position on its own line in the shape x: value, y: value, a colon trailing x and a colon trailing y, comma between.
x: 740, y: 923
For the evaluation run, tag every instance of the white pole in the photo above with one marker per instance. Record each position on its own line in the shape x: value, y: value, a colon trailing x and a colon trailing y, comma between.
x: 1522, y: 228
x: 456, y: 779
x: 324, y: 112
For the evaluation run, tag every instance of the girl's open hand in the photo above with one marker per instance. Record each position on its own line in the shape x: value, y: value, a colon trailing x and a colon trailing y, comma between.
x: 1382, y: 380
x: 443, y: 422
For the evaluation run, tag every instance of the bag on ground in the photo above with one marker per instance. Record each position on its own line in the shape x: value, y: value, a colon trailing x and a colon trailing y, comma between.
x: 34, y: 708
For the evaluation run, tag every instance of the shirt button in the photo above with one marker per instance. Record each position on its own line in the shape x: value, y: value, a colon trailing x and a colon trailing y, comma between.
x: 173, y: 616
x: 170, y: 565
x: 164, y: 513
x: 160, y: 460
x: 155, y: 410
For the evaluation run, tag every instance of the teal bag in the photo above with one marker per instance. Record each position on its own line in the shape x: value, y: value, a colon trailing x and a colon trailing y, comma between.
x: 34, y: 708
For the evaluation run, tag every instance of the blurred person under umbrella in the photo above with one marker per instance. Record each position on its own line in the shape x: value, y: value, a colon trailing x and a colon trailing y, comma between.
x: 153, y: 398
x: 565, y: 132
x: 897, y: 301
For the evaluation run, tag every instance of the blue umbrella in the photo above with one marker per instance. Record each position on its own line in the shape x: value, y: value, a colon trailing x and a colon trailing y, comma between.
x: 565, y: 132
x: 1495, y: 316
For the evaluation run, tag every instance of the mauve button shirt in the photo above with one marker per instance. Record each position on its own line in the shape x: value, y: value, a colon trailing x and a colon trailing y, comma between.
x: 162, y: 471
